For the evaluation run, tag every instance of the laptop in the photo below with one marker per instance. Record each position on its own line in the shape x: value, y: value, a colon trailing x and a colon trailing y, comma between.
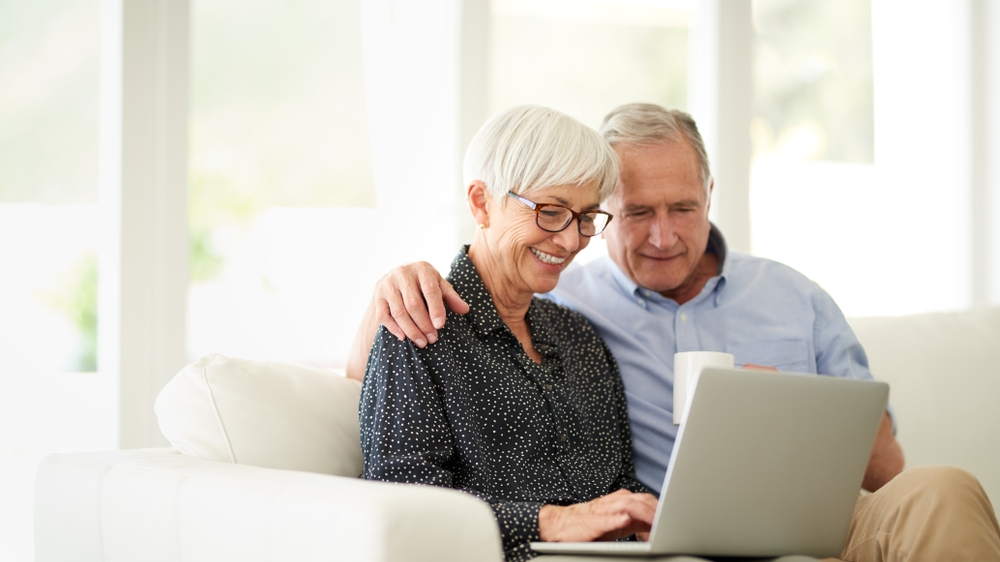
x: 768, y: 464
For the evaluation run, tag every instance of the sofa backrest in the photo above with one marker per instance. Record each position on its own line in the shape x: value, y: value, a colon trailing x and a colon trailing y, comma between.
x: 275, y: 415
x: 942, y: 369
x: 944, y: 380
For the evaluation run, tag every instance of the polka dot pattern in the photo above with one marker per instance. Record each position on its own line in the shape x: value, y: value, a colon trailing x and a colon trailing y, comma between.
x: 473, y: 412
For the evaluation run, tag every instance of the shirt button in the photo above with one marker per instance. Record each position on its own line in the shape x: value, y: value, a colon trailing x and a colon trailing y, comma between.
x: 564, y: 438
x: 642, y: 302
x: 548, y: 387
x: 684, y: 317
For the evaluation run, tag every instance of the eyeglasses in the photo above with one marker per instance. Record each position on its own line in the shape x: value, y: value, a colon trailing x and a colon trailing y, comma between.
x: 555, y: 218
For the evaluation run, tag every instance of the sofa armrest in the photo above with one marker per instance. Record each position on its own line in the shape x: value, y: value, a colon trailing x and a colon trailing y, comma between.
x: 158, y: 505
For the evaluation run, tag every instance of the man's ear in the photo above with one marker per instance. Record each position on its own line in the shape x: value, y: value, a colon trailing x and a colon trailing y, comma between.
x: 478, y: 195
x: 711, y: 187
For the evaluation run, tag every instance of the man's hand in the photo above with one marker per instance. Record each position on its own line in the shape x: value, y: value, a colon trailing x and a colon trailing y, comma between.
x: 616, y: 515
x: 886, y: 460
x: 398, y: 302
x: 410, y: 302
x: 755, y: 367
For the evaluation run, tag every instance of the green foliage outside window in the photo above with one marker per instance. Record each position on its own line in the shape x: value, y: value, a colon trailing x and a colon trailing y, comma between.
x: 813, y: 79
x: 75, y: 295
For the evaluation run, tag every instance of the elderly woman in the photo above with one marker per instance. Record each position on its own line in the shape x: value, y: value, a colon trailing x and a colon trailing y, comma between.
x: 518, y: 402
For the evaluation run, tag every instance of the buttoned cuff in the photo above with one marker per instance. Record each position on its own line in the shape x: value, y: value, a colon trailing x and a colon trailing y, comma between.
x: 518, y: 523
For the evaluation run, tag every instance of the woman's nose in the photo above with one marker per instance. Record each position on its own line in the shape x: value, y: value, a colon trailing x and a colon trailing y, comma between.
x: 569, y: 237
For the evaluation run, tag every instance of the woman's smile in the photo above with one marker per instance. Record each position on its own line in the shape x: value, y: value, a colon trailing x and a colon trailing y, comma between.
x: 547, y: 258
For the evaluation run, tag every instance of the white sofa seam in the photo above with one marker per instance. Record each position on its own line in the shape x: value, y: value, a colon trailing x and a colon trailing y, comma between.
x: 100, y: 515
x: 178, y: 528
x: 215, y: 411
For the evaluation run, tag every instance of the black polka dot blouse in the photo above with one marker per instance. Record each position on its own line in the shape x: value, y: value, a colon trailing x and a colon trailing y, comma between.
x: 473, y: 412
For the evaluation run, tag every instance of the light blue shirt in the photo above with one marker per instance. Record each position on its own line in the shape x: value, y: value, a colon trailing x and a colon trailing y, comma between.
x: 759, y: 310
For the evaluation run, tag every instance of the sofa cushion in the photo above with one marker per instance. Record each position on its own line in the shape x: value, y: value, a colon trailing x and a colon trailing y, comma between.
x: 942, y: 369
x: 274, y: 415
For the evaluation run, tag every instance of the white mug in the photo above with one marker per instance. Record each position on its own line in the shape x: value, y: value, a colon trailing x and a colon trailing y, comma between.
x: 687, y: 368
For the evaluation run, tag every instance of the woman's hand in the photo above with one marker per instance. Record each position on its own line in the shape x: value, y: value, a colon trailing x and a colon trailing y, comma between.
x: 410, y: 302
x: 607, y: 518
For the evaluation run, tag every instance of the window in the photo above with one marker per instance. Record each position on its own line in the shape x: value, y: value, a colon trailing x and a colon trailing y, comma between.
x: 813, y: 76
x: 586, y: 57
x: 50, y: 397
x: 813, y: 140
x: 852, y: 182
x: 281, y: 186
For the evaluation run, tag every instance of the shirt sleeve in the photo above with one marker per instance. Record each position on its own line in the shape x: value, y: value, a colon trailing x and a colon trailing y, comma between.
x: 838, y: 351
x: 406, y: 436
x: 626, y: 478
x: 518, y: 522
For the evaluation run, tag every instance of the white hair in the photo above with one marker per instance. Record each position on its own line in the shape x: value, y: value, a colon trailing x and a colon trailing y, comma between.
x: 647, y: 123
x: 528, y: 147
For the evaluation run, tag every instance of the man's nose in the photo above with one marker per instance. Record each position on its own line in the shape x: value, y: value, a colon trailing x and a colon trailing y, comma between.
x: 661, y: 233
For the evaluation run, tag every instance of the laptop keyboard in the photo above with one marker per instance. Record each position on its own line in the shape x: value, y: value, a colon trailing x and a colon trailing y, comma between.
x: 609, y: 546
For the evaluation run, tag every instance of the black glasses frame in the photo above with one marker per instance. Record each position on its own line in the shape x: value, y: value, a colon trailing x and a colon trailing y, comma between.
x: 538, y: 207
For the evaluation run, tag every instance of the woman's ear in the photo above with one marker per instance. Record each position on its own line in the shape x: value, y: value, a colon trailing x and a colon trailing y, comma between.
x: 478, y: 197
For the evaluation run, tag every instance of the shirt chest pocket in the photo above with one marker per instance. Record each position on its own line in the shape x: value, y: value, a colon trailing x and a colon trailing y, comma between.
x: 784, y: 355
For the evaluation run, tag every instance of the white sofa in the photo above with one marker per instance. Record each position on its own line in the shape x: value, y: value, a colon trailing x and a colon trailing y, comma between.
x: 269, y: 474
x: 944, y: 375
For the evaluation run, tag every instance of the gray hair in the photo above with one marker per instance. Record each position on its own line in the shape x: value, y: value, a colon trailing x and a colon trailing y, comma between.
x: 646, y: 123
x: 528, y: 147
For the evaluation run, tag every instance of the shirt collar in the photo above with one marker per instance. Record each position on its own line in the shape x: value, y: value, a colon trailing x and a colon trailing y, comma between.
x: 716, y: 244
x: 483, y: 315
x: 623, y: 280
x: 465, y: 279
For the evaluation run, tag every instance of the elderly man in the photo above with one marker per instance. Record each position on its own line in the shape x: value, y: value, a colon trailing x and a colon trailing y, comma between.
x: 669, y: 284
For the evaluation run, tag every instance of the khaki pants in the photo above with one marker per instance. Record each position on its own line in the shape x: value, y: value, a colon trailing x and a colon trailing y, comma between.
x: 938, y: 513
